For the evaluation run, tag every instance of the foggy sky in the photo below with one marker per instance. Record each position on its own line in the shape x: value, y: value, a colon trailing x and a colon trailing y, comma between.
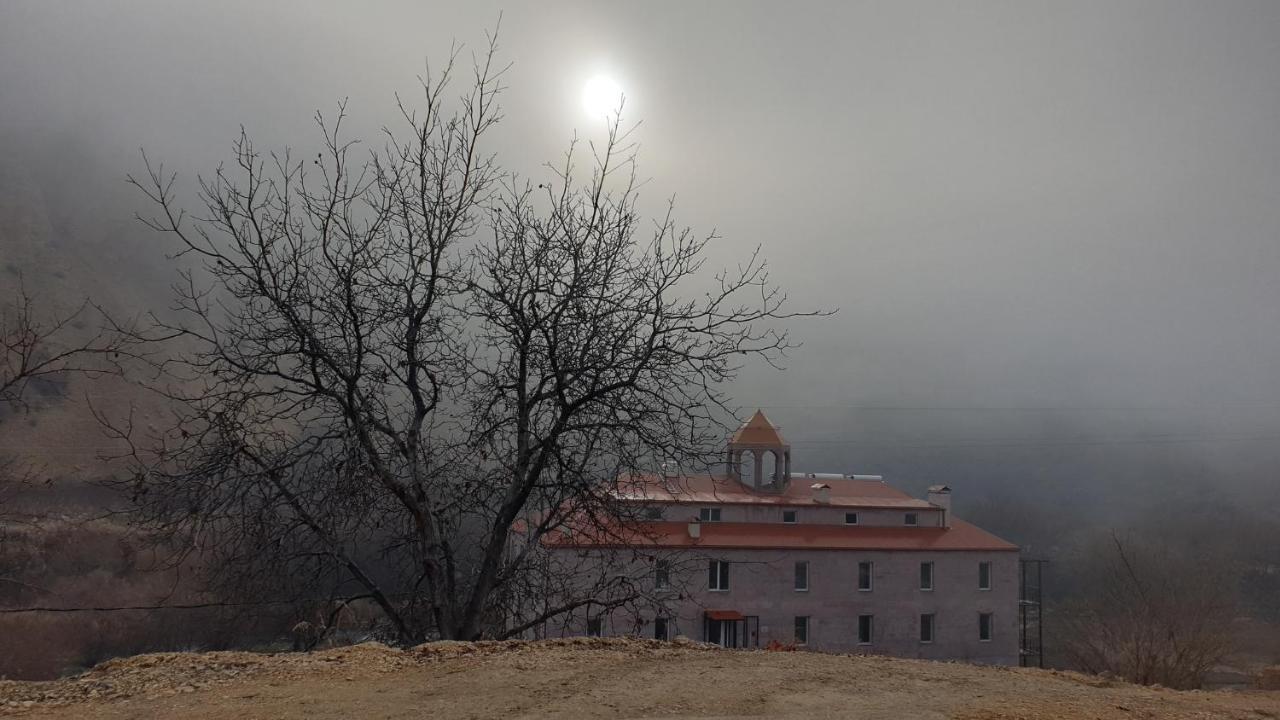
x: 1036, y: 219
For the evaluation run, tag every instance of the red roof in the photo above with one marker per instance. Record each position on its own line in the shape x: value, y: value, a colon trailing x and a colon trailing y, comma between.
x: 770, y: 536
x: 758, y: 432
x: 722, y: 490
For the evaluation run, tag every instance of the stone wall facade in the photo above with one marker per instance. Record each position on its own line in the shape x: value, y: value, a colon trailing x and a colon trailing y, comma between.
x: 762, y: 588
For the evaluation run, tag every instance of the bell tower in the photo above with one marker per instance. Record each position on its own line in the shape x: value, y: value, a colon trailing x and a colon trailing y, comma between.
x: 756, y: 439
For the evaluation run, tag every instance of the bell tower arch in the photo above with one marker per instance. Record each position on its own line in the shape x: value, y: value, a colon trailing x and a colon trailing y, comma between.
x: 756, y: 439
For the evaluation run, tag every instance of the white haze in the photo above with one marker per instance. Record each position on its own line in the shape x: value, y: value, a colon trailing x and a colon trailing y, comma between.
x: 1051, y: 230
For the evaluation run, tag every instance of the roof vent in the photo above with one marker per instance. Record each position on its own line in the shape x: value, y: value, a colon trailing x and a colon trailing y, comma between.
x: 940, y: 496
x: 821, y: 492
x: 695, y: 528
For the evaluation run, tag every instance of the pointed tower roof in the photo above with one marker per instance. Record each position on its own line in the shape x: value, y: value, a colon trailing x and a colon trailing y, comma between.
x: 758, y: 432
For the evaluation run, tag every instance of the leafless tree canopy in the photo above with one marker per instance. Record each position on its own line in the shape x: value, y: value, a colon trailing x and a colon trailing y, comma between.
x: 40, y: 347
x: 1150, y: 615
x: 406, y: 366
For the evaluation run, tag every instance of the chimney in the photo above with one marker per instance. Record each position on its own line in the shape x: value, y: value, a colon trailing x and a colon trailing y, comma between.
x: 695, y: 528
x: 940, y: 496
x: 821, y: 492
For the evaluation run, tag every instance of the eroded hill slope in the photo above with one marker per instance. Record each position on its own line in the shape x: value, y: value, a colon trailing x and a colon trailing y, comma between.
x: 593, y: 678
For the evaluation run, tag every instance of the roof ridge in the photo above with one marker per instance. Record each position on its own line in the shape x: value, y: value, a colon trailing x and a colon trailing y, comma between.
x: 758, y: 431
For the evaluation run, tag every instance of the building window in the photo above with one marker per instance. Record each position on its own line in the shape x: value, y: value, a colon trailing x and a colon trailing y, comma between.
x: 926, y: 576
x: 789, y: 516
x: 851, y: 518
x: 802, y: 629
x: 709, y: 514
x: 984, y: 576
x: 984, y: 627
x: 802, y: 575
x: 660, y: 629
x: 866, y: 623
x: 718, y: 575
x: 911, y: 519
x: 653, y: 512
x: 864, y: 576
x: 662, y: 574
x: 926, y: 628
x: 593, y: 627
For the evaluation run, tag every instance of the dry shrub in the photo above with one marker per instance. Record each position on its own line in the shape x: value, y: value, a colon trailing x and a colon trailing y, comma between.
x: 1149, y: 614
x: 1268, y: 678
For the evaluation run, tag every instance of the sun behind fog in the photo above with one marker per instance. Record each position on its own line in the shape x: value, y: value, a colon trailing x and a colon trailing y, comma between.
x: 601, y: 97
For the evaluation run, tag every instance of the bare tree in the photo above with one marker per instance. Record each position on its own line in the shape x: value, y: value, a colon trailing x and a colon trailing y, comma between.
x: 40, y: 349
x: 407, y: 370
x: 1150, y: 615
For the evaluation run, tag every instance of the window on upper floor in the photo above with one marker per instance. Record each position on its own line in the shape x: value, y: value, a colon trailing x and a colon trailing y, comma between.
x: 662, y: 574
x: 789, y: 516
x: 652, y: 512
x: 926, y: 576
x: 850, y: 518
x: 802, y: 575
x: 984, y: 576
x: 718, y: 575
x: 926, y: 628
x: 911, y: 519
x: 984, y: 627
x: 802, y: 629
x: 709, y: 514
x: 864, y: 576
x: 866, y: 625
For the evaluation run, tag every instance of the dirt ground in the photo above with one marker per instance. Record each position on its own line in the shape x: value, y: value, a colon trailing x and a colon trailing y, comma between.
x: 593, y: 678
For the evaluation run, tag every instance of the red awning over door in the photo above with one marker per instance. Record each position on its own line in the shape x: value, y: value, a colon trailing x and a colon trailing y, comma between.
x: 724, y: 615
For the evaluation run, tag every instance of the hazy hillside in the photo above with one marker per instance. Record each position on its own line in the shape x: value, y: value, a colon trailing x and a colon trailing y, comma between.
x: 67, y: 229
x: 67, y: 235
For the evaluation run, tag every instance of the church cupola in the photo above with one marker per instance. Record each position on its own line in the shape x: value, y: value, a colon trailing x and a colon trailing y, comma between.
x: 758, y: 456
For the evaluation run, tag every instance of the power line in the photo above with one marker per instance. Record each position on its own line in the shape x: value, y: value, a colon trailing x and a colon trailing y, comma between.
x: 855, y: 442
x: 59, y: 403
x: 178, y: 606
x: 1019, y: 408
x: 186, y: 606
x: 1025, y: 442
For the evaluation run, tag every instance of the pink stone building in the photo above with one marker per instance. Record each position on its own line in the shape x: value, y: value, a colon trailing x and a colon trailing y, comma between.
x: 760, y: 555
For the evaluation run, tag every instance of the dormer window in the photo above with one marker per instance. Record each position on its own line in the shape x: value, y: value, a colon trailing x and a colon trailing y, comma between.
x: 709, y: 514
x: 789, y: 517
x: 911, y: 519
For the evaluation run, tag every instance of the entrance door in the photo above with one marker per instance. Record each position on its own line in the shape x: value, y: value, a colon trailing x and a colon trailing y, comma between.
x: 751, y: 631
x: 723, y: 633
